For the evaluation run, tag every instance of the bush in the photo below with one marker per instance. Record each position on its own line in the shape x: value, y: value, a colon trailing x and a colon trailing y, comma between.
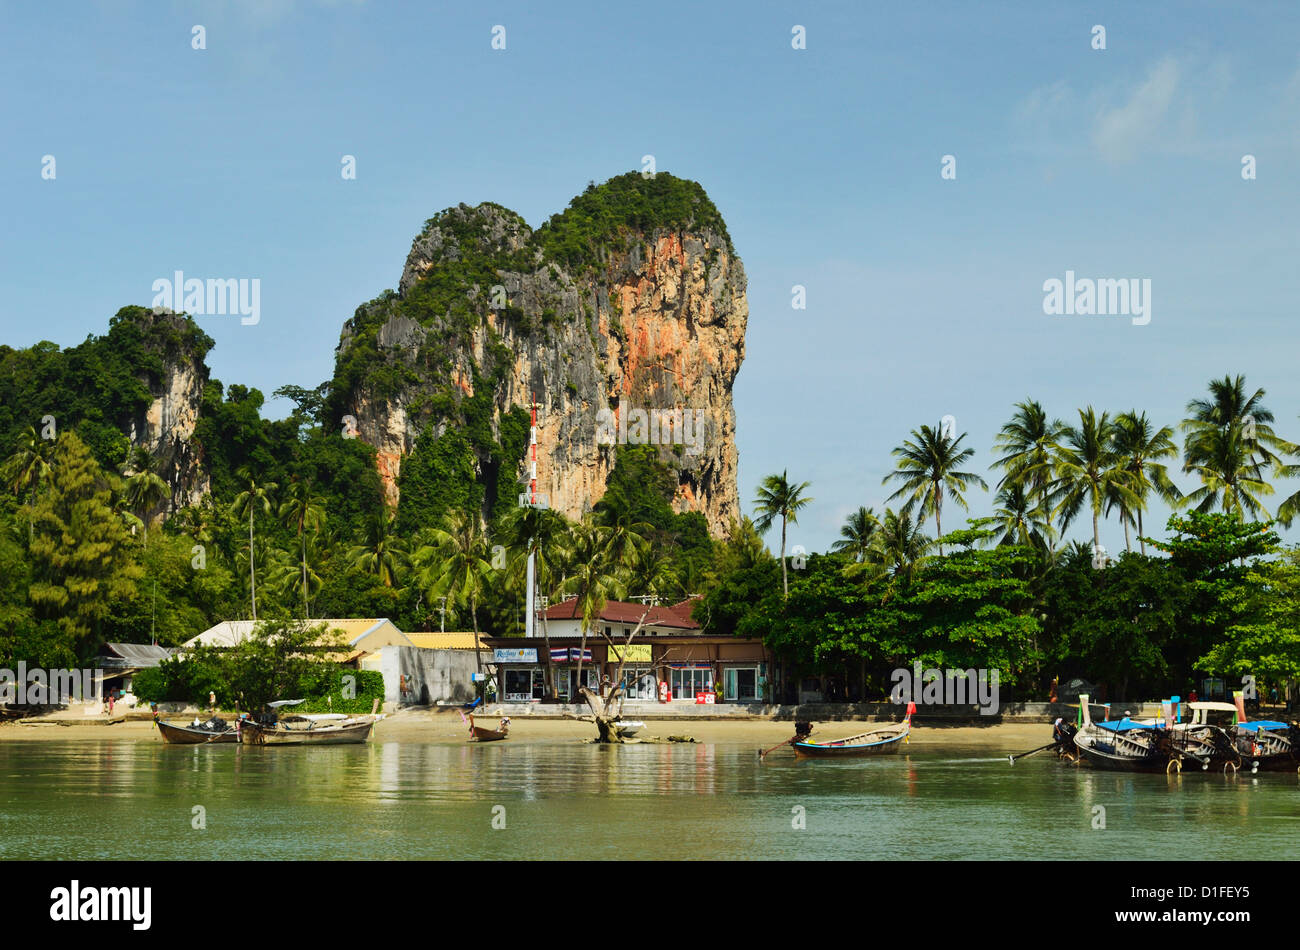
x: 368, y: 685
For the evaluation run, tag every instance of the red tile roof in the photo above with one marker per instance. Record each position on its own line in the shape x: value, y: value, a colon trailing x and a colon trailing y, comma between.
x: 617, y: 611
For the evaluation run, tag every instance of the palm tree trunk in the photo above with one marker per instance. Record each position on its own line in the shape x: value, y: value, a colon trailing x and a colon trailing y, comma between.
x: 785, y: 581
x: 938, y: 520
x: 1127, y: 546
x: 473, y: 612
x: 252, y: 577
x: 1140, y: 533
x: 1096, y: 533
x: 302, y: 538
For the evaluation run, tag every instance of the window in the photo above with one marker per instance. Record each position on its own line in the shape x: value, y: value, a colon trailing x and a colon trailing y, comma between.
x: 519, y: 685
x: 740, y: 684
x: 686, y: 683
x: 566, y: 680
x: 639, y: 683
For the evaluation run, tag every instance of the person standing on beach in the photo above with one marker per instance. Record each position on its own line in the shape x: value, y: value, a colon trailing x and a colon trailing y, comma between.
x: 212, y: 703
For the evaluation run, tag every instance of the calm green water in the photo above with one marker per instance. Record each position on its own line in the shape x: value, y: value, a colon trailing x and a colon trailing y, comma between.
x: 129, y: 800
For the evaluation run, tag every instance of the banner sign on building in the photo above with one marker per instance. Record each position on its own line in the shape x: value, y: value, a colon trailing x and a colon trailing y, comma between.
x: 638, y: 652
x: 514, y: 656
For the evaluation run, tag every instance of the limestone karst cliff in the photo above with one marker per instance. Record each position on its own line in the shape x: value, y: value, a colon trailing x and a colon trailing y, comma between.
x: 616, y: 313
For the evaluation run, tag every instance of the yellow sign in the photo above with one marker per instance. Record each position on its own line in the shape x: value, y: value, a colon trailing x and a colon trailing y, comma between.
x: 636, y: 652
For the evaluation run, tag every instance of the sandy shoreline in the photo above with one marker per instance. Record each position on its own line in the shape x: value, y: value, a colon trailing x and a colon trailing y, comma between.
x: 446, y: 728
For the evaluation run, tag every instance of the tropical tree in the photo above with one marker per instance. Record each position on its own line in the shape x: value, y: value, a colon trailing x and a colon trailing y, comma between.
x: 594, y: 580
x: 302, y: 512
x: 455, y: 564
x: 1232, y: 477
x: 778, y: 498
x: 82, y: 569
x: 858, y: 534
x: 1229, y: 443
x: 928, y: 467
x: 384, y: 553
x: 145, y: 489
x: 902, y: 544
x: 1028, y: 443
x: 1139, y: 447
x: 255, y: 496
x: 1019, y: 520
x: 544, y: 533
x: 1088, y: 471
x: 28, y: 469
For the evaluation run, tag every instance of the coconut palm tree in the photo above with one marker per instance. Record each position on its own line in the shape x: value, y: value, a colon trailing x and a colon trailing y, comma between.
x: 384, y: 553
x: 256, y: 496
x: 145, y: 488
x: 1140, y: 446
x: 651, y: 572
x: 778, y: 498
x: 1232, y: 477
x: 901, y: 545
x: 1027, y: 443
x: 928, y: 469
x: 1020, y: 520
x: 455, y: 565
x: 1088, y: 471
x: 1228, y: 443
x: 302, y: 512
x: 858, y: 534
x: 28, y: 469
x: 594, y: 579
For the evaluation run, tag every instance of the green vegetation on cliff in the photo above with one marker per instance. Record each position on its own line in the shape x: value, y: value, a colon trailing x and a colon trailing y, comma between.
x: 604, y: 217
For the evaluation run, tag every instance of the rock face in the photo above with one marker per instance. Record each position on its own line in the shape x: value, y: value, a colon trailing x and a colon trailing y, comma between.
x: 614, y: 326
x: 165, y: 427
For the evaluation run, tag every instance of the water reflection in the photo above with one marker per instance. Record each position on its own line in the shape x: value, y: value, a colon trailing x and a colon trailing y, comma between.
x: 572, y: 799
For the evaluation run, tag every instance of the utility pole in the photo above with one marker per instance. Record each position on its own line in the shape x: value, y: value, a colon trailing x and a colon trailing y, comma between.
x: 442, y: 614
x: 532, y: 500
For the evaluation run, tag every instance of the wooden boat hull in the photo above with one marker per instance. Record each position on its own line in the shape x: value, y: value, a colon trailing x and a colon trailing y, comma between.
x: 845, y: 749
x: 479, y: 734
x: 1100, y: 758
x: 342, y: 734
x: 189, y: 735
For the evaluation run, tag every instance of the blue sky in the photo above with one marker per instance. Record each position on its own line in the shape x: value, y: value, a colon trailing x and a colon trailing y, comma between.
x: 924, y: 295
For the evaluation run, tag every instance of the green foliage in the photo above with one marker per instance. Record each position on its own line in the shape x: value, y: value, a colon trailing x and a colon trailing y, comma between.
x: 365, y: 686
x: 100, y: 386
x: 603, y: 217
x: 187, y: 679
x: 1262, y: 633
x: 82, y: 565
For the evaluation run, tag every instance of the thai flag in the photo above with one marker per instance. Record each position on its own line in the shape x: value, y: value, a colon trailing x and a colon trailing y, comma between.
x: 574, y: 653
x: 559, y: 654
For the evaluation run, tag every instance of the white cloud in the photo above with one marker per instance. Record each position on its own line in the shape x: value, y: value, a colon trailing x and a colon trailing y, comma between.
x: 1120, y: 133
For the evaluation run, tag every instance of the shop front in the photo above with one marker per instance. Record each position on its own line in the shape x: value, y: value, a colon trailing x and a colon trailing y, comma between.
x: 678, y: 669
x: 522, y: 678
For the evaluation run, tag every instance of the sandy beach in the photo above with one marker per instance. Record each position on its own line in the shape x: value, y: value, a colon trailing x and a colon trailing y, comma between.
x: 445, y: 726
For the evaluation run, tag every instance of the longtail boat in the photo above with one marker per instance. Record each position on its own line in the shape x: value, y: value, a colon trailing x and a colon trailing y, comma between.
x: 197, y: 733
x: 1266, y: 744
x: 1132, y: 745
x: 884, y: 740
x: 309, y: 729
x: 484, y: 734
